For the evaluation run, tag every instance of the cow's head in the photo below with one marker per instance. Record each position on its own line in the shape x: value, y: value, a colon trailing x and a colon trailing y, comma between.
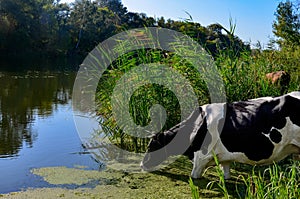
x: 157, y: 151
x: 188, y: 137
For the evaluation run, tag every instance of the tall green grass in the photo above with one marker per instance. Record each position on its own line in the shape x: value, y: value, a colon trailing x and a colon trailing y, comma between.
x: 280, y: 180
x: 243, y: 76
x: 194, y: 189
x: 274, y: 182
x: 221, y: 184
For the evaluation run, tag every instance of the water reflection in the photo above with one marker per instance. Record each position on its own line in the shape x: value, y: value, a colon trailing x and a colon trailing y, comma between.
x: 23, y: 97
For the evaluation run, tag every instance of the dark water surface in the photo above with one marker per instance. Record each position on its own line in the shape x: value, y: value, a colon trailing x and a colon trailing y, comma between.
x: 37, y: 127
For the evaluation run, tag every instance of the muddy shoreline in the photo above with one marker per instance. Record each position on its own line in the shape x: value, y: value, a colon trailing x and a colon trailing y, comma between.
x: 170, y: 182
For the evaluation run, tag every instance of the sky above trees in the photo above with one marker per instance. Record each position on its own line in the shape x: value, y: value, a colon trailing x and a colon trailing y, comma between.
x: 253, y: 19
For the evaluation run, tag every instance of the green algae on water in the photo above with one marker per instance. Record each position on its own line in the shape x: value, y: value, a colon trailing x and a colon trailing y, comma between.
x: 64, y: 175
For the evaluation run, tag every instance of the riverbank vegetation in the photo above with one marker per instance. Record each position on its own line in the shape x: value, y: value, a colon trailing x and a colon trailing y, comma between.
x: 243, y: 71
x: 72, y: 30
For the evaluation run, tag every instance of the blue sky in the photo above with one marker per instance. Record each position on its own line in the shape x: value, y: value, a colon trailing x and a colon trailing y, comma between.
x: 253, y: 18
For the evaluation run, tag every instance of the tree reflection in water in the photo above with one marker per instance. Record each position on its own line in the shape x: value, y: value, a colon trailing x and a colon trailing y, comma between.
x: 23, y: 97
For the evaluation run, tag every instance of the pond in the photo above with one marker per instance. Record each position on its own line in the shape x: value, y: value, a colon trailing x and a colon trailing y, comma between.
x: 37, y: 128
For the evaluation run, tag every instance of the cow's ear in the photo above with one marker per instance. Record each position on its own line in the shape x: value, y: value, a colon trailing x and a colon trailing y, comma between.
x: 159, y: 137
x: 151, y: 136
x: 154, y: 136
x: 280, y: 105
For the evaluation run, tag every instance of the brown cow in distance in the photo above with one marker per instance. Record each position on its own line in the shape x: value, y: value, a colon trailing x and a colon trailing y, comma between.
x: 280, y: 78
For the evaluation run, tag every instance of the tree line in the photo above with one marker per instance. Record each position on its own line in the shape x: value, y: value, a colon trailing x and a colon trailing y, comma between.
x: 53, y: 28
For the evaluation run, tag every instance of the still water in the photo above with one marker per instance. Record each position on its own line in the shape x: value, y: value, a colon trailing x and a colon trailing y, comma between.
x: 37, y: 128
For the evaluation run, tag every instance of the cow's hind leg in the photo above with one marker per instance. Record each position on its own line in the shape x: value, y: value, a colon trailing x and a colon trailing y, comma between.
x: 225, y: 166
x: 200, y: 162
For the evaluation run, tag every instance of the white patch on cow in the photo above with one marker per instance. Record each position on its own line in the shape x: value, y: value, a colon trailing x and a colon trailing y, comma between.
x: 295, y: 94
x: 262, y: 99
x: 213, y: 113
x: 200, y: 162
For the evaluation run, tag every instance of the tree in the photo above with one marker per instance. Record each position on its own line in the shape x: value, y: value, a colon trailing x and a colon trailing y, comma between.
x: 91, y: 23
x: 32, y: 25
x: 115, y: 6
x: 287, y: 24
x: 50, y: 27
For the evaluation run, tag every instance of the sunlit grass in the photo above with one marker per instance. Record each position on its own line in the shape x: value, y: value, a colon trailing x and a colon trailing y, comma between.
x: 243, y: 77
x: 279, y: 180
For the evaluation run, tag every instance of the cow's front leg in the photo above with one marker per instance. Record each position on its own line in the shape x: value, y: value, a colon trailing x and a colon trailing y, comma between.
x: 200, y: 162
x: 225, y: 166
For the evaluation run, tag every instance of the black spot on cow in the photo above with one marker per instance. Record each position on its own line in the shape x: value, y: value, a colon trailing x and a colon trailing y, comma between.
x: 245, y: 125
x: 275, y: 136
x: 247, y: 122
x: 290, y: 108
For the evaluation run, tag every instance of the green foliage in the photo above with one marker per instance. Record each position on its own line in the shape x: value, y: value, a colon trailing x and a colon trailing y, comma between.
x: 146, y: 96
x: 287, y: 24
x: 54, y: 28
x: 274, y: 182
x: 280, y: 180
x: 194, y: 189
x: 221, y: 184
x: 244, y: 77
x: 211, y: 37
x: 32, y: 25
x: 243, y: 74
x: 92, y: 24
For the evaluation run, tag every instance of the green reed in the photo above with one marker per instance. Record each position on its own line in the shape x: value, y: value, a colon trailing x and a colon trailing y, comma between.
x: 274, y: 182
x: 243, y: 76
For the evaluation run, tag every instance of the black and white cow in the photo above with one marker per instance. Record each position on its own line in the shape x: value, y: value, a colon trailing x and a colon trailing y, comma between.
x: 257, y: 132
